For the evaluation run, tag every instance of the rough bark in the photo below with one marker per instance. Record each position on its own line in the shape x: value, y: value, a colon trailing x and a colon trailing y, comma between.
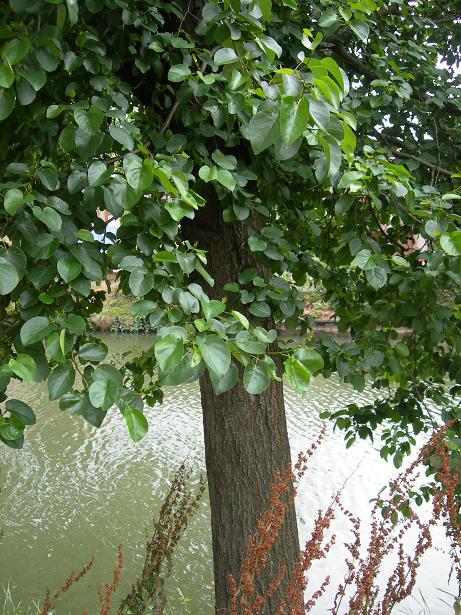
x: 246, y: 438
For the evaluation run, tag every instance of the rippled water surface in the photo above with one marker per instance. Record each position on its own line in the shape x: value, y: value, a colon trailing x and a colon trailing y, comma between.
x: 75, y: 492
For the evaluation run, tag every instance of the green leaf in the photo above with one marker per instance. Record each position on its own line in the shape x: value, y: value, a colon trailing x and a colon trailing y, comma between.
x: 93, y: 352
x: 256, y: 377
x: 120, y: 135
x: 337, y: 72
x: 226, y: 179
x: 79, y: 404
x: 298, y: 375
x: 207, y: 173
x: 53, y: 348
x: 60, y: 381
x: 328, y: 18
x: 271, y: 47
x: 215, y: 353
x: 188, y: 303
x: 246, y: 341
x: 35, y: 76
x: 85, y: 235
x: 91, y: 120
x: 54, y: 111
x: 243, y: 320
x: 49, y: 217
x: 319, y: 113
x: 69, y: 268
x: 143, y: 307
x: 6, y: 75
x: 260, y: 309
x: 221, y: 384
x: 377, y: 277
x: 225, y: 55
x: 21, y: 411
x: 136, y: 423
x: 35, y: 330
x: 400, y: 262
x: 329, y: 89
x: 205, y: 275
x: 103, y: 393
x: 49, y: 178
x: 169, y: 351
x: 9, y: 277
x: 402, y: 349
x: 349, y: 142
x: 47, y: 59
x: 75, y: 324
x: 266, y: 9
x: 294, y: 117
x: 98, y: 173
x: 362, y: 259
x: 139, y: 173
x: 24, y: 367
x: 348, y: 178
x: 140, y: 283
x: 11, y: 431
x: 186, y: 371
x: 259, y: 131
x: 451, y: 243
x: 15, y: 50
x: 165, y: 257
x: 178, y: 73
x: 311, y: 359
x: 7, y: 102
x: 72, y: 11
x: 343, y: 204
x: 212, y: 308
x: 26, y: 93
x: 14, y: 199
x: 360, y: 28
x: 332, y: 154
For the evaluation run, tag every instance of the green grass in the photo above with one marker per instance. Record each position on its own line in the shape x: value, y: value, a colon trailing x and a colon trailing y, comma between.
x: 117, y: 305
x: 9, y: 606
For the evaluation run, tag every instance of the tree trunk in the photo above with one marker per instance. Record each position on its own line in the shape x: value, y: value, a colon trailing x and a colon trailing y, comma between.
x: 246, y: 438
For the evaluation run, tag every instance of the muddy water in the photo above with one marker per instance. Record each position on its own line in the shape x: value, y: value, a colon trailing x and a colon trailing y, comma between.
x: 75, y: 492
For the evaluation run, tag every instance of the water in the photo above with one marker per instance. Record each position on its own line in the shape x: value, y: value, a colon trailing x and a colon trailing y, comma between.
x: 75, y: 492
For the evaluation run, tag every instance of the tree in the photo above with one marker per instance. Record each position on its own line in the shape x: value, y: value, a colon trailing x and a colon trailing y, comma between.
x: 242, y: 146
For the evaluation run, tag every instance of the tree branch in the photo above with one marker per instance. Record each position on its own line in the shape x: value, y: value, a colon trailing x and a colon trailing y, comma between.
x: 422, y: 162
x: 362, y: 68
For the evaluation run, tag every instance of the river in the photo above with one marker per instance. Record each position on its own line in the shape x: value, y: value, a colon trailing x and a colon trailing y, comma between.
x: 75, y: 492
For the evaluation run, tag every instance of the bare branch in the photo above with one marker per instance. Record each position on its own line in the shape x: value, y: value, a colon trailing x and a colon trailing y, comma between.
x: 402, y: 154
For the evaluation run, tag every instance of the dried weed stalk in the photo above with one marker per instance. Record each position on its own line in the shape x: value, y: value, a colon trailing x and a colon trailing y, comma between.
x: 363, y: 591
x: 147, y: 593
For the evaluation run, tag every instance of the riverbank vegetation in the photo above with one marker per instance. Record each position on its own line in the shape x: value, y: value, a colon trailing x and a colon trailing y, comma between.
x: 119, y: 316
x: 380, y: 568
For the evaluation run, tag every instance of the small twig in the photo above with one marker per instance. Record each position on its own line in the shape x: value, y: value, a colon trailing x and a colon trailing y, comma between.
x: 170, y: 115
x: 422, y: 162
x: 385, y: 233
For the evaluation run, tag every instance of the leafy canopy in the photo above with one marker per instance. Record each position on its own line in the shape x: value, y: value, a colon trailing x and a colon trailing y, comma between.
x: 328, y: 130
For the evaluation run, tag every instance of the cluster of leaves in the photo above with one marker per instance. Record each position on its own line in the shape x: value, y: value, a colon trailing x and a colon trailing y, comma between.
x: 142, y: 109
x: 140, y: 324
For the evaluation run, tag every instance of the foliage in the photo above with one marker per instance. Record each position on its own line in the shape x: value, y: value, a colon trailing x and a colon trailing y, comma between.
x: 150, y: 110
x: 139, y: 324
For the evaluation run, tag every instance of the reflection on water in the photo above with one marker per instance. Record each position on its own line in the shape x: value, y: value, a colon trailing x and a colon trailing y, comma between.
x: 75, y: 492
